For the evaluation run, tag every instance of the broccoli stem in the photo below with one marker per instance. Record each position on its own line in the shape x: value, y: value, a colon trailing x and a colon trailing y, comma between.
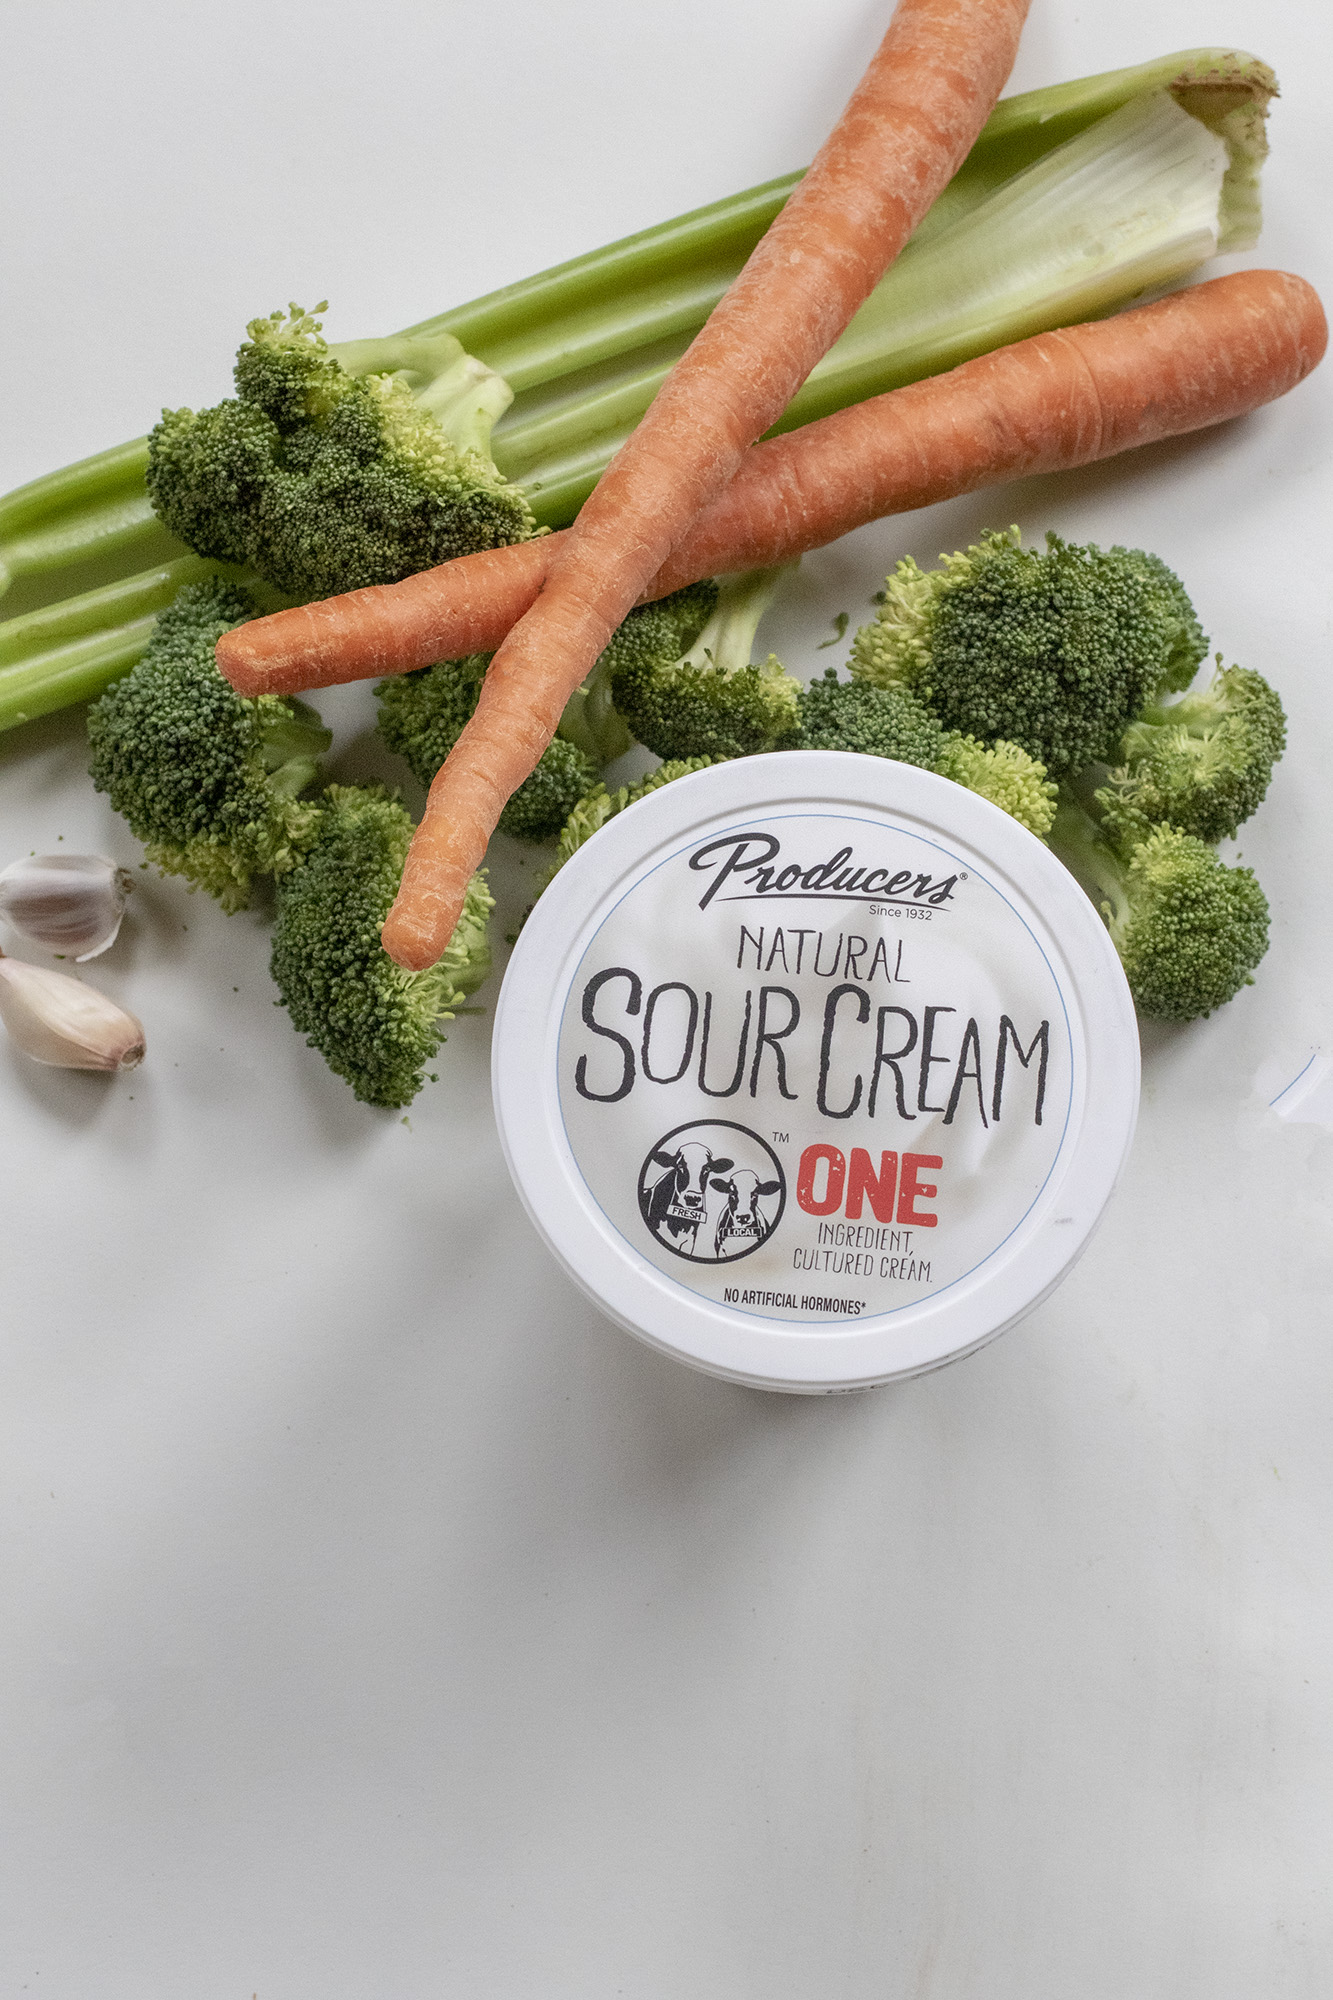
x: 585, y: 345
x: 1099, y: 871
x: 464, y: 396
x: 727, y: 640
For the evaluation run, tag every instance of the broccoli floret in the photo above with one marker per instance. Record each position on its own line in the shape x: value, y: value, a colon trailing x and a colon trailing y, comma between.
x: 874, y: 721
x: 598, y: 806
x: 375, y: 1024
x: 681, y: 676
x: 1189, y: 929
x: 1186, y: 642
x: 543, y: 802
x: 421, y: 716
x: 1005, y: 774
x: 209, y: 780
x: 891, y: 722
x: 1202, y: 764
x: 336, y: 467
x: 1053, y: 650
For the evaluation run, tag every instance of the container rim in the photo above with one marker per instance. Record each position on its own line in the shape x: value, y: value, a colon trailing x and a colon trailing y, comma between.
x: 811, y: 1357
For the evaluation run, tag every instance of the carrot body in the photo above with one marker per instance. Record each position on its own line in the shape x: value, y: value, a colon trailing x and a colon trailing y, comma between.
x: 1048, y: 404
x: 910, y: 123
x: 388, y: 628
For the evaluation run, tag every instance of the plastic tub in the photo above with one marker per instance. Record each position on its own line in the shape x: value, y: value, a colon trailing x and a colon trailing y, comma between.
x: 815, y: 1070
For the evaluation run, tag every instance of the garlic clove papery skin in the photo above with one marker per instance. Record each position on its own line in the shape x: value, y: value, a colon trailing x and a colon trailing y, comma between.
x: 71, y: 903
x: 58, y: 1020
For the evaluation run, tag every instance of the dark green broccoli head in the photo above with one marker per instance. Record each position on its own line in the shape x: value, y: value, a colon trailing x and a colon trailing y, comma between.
x: 1189, y: 929
x: 323, y: 480
x: 1054, y: 650
x: 1202, y: 764
x: 664, y: 630
x: 375, y: 1025
x: 545, y: 799
x: 680, y: 674
x: 1184, y: 640
x: 209, y: 780
x: 891, y: 722
x: 421, y: 716
x: 875, y: 721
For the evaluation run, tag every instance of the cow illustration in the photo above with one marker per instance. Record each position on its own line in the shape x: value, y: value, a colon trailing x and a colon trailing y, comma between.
x: 740, y: 1224
x: 675, y: 1205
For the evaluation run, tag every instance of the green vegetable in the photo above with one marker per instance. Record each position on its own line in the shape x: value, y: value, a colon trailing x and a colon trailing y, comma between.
x: 680, y: 673
x: 849, y: 715
x: 892, y: 722
x: 1053, y: 650
x: 1005, y: 774
x: 208, y: 780
x: 1202, y: 764
x: 421, y: 716
x: 1062, y: 211
x: 70, y: 651
x: 331, y: 469
x: 677, y: 672
x: 375, y: 1025
x: 1189, y: 929
x: 874, y: 721
x: 1026, y: 236
x: 599, y: 805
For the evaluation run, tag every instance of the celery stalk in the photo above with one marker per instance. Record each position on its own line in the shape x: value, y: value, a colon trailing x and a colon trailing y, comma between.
x: 71, y: 651
x: 1074, y: 199
x: 1136, y: 199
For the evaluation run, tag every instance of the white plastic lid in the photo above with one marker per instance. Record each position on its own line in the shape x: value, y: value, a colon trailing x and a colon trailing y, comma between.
x: 815, y: 1070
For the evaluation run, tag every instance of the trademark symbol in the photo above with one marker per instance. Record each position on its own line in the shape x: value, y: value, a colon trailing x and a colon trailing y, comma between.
x: 781, y: 1139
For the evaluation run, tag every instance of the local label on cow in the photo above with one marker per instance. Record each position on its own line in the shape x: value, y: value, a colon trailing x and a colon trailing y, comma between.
x: 816, y: 1066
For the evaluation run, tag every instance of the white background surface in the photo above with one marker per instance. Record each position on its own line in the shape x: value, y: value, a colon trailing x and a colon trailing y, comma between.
x: 377, y: 1620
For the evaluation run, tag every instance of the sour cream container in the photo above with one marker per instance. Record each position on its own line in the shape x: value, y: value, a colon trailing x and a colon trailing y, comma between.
x: 815, y: 1070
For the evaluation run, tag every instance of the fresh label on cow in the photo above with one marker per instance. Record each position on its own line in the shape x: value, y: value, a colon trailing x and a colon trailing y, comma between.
x: 816, y: 1067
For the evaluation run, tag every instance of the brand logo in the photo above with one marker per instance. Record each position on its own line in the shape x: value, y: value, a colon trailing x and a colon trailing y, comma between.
x: 711, y: 1191
x: 748, y: 866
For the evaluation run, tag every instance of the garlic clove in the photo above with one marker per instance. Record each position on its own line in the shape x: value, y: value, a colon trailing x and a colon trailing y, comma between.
x: 70, y: 903
x: 58, y: 1020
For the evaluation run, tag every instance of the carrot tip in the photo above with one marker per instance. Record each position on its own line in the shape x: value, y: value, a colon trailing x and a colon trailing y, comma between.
x: 236, y: 666
x: 408, y: 944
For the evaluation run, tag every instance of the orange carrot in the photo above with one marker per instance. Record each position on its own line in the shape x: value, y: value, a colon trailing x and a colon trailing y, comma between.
x: 1059, y: 400
x: 463, y: 606
x: 909, y: 125
x: 1048, y: 404
x: 389, y: 628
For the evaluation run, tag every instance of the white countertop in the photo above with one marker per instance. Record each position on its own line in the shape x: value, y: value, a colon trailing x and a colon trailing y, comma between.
x: 379, y: 1621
